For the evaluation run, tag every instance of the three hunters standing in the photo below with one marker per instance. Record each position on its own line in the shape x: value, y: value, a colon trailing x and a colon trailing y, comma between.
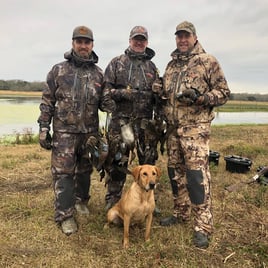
x: 144, y: 110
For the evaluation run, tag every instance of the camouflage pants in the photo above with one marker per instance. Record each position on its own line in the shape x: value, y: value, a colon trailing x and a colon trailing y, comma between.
x: 71, y: 172
x: 188, y: 152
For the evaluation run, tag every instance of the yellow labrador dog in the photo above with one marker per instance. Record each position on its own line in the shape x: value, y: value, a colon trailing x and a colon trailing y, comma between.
x: 137, y: 203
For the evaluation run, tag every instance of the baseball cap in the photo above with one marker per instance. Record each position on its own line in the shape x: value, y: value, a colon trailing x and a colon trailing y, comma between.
x: 139, y: 30
x: 186, y: 26
x: 82, y: 31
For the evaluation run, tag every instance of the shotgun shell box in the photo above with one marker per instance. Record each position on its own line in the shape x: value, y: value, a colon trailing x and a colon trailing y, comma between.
x: 213, y: 157
x: 237, y: 164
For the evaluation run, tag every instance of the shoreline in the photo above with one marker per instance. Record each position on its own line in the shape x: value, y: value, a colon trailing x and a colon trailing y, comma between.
x: 20, y: 93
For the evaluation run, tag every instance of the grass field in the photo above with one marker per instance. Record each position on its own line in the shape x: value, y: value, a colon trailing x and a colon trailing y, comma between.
x: 243, y: 106
x: 29, y: 237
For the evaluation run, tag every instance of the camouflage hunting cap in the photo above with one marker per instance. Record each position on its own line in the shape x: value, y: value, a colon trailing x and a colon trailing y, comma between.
x: 82, y: 31
x: 186, y: 26
x: 139, y: 30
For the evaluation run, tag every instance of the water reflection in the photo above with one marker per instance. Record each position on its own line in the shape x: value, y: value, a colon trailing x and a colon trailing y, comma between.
x: 19, y: 114
x: 240, y: 118
x: 19, y: 100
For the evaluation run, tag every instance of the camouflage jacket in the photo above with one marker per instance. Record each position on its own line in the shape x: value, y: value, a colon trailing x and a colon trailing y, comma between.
x: 197, y: 70
x: 135, y: 72
x: 73, y: 95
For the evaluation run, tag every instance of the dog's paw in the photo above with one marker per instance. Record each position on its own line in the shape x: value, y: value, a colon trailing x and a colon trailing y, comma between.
x: 106, y: 226
x: 125, y: 245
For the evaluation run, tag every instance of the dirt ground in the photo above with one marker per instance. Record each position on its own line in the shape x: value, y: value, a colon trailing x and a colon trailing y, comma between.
x: 30, y: 238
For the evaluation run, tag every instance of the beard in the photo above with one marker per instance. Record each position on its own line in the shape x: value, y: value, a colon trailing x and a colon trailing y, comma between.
x: 83, y: 54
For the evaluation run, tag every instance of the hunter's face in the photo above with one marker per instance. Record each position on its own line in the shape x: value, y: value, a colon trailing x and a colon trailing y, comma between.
x: 82, y: 47
x: 185, y: 41
x: 138, y: 44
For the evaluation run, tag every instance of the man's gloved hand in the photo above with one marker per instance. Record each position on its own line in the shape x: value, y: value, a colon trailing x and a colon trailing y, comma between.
x: 45, y: 138
x: 188, y: 96
x: 157, y: 86
x: 124, y: 93
x: 202, y: 100
x: 192, y: 96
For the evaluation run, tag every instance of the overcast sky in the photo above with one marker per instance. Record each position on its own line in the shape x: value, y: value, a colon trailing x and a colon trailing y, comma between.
x: 36, y: 33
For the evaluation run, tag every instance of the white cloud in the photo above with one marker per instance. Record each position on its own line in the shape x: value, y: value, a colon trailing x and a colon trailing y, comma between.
x: 35, y: 34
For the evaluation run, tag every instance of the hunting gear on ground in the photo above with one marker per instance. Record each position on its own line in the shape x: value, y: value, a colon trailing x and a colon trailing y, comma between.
x: 261, y: 177
x: 70, y: 102
x: 128, y: 80
x: 193, y: 83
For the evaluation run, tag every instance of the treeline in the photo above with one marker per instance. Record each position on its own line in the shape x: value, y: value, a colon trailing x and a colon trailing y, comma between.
x: 249, y: 97
x: 20, y: 85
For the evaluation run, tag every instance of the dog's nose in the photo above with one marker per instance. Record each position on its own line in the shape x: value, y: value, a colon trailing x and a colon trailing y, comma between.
x: 152, y: 185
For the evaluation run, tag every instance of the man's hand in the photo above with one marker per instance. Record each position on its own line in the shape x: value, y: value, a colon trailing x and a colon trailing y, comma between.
x: 157, y: 86
x: 45, y: 138
x: 202, y: 100
x: 190, y: 94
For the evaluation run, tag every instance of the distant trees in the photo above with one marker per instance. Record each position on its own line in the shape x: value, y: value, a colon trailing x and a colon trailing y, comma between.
x: 249, y: 97
x: 20, y: 85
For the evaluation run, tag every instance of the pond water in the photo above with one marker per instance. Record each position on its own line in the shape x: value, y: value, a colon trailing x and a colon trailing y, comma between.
x: 240, y: 118
x: 19, y: 115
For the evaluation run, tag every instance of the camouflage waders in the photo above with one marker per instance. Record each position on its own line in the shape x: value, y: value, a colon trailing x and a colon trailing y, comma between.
x: 129, y: 78
x: 188, y: 144
x: 71, y: 172
x: 188, y: 151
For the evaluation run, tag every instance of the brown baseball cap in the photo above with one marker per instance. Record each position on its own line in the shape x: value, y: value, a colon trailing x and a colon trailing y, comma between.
x: 139, y: 30
x: 186, y: 26
x: 82, y: 31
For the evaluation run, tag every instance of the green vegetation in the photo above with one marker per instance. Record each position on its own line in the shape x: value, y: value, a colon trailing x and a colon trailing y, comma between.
x: 243, y: 106
x: 30, y: 238
x: 26, y: 137
x: 20, y: 85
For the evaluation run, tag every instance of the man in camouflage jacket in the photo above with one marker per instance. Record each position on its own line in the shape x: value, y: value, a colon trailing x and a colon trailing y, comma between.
x: 193, y: 84
x: 128, y: 79
x: 71, y: 100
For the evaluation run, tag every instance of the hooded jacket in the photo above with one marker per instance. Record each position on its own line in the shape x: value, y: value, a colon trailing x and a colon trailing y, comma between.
x: 73, y: 95
x: 135, y: 72
x: 197, y: 70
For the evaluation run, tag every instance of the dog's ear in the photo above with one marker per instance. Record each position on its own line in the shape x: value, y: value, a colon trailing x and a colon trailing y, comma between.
x: 158, y: 171
x: 136, y: 172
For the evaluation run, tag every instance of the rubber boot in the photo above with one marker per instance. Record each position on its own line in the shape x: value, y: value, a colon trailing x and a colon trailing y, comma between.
x: 200, y: 240
x: 69, y: 226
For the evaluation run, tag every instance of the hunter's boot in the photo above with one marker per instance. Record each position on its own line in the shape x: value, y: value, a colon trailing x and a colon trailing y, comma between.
x: 82, y: 189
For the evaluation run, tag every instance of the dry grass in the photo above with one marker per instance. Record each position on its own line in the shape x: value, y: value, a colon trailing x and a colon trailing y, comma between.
x: 29, y: 237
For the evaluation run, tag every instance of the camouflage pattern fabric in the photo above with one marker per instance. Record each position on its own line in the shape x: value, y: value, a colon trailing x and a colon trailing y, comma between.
x: 200, y: 71
x: 128, y: 80
x: 71, y: 172
x: 131, y: 75
x: 73, y: 96
x: 188, y: 149
x: 70, y: 101
x: 188, y: 142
